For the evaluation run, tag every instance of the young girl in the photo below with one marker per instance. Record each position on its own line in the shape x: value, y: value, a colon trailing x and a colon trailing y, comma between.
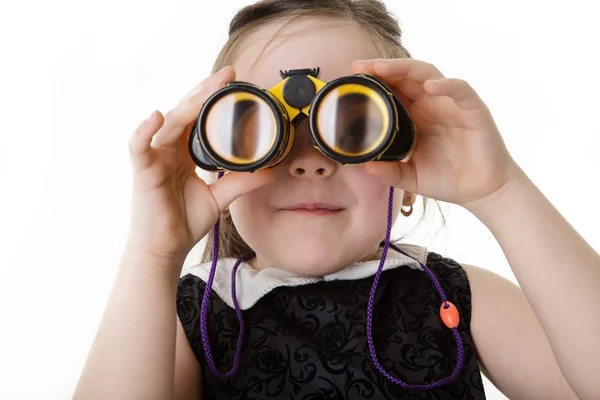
x: 308, y: 299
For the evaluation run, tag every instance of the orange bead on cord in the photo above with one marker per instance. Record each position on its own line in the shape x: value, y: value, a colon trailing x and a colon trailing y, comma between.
x: 449, y: 314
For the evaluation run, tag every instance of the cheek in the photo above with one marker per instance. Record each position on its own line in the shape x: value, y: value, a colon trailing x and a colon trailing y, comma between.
x: 373, y: 197
x: 369, y: 190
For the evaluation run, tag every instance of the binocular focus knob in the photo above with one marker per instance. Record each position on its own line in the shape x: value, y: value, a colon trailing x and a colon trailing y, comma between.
x: 299, y: 91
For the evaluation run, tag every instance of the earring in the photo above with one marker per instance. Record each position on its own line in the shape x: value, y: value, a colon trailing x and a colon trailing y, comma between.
x: 408, y: 198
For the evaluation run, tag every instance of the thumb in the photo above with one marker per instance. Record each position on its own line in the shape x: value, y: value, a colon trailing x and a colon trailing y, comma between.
x: 219, y: 195
x: 234, y: 184
x: 394, y: 173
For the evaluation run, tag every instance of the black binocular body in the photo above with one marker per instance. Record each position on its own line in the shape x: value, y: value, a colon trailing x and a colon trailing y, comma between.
x: 352, y: 119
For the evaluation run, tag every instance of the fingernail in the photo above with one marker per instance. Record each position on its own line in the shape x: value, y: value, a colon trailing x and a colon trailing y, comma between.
x: 151, y: 116
x: 268, y: 172
x: 220, y: 72
x: 371, y: 60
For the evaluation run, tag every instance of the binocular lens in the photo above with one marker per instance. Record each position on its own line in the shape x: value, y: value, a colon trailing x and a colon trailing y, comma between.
x: 353, y: 120
x: 241, y: 128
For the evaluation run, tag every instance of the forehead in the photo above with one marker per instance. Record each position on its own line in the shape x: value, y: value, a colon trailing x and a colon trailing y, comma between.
x: 330, y: 44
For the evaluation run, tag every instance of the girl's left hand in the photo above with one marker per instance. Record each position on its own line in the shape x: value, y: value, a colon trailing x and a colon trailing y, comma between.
x: 459, y: 156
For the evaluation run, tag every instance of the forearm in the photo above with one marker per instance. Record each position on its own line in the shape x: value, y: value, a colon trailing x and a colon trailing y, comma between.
x: 133, y: 355
x: 558, y: 272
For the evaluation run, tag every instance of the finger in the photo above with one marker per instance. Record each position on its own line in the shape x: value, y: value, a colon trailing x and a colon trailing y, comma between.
x: 398, y: 174
x: 187, y: 110
x: 205, y: 203
x: 398, y: 69
x: 233, y: 185
x: 366, y: 67
x: 139, y: 142
x: 405, y: 74
x: 200, y: 86
x: 458, y: 90
x: 363, y: 67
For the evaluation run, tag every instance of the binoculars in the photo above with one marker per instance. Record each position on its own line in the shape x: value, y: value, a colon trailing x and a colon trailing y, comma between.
x: 353, y: 119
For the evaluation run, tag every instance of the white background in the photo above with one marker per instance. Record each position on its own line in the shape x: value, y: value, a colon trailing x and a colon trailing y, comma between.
x: 77, y: 77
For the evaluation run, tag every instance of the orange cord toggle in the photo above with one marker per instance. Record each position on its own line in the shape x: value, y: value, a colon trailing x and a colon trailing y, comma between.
x: 449, y: 315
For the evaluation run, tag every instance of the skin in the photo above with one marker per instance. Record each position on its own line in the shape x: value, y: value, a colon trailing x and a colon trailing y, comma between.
x: 310, y: 244
x: 524, y: 343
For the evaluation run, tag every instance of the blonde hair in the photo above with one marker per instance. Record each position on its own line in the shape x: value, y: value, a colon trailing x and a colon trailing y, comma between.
x: 371, y: 15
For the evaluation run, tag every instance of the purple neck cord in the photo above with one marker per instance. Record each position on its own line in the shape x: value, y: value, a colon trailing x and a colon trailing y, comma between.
x: 236, y: 359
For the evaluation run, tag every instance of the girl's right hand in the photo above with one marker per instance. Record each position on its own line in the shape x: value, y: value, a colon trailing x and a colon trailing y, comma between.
x: 173, y: 208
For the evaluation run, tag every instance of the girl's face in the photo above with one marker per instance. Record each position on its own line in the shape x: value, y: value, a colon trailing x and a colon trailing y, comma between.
x: 317, y: 217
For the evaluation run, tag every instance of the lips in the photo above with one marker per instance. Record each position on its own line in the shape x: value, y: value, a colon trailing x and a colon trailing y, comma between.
x: 314, y: 208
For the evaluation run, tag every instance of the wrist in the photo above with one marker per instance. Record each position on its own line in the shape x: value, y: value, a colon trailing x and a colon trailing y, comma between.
x: 148, y: 247
x: 501, y: 203
x: 140, y: 259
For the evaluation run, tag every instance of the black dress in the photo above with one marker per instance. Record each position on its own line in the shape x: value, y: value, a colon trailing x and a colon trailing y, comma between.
x: 305, y: 338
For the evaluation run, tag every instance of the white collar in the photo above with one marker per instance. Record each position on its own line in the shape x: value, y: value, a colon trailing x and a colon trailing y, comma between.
x: 251, y: 284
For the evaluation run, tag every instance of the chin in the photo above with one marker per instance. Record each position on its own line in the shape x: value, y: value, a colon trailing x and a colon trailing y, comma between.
x: 314, y: 256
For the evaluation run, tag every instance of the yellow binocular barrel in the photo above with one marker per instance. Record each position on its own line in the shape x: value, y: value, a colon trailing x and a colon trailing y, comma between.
x: 352, y: 119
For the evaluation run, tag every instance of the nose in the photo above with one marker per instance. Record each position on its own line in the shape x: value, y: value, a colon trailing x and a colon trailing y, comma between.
x: 305, y: 161
x: 311, y: 166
